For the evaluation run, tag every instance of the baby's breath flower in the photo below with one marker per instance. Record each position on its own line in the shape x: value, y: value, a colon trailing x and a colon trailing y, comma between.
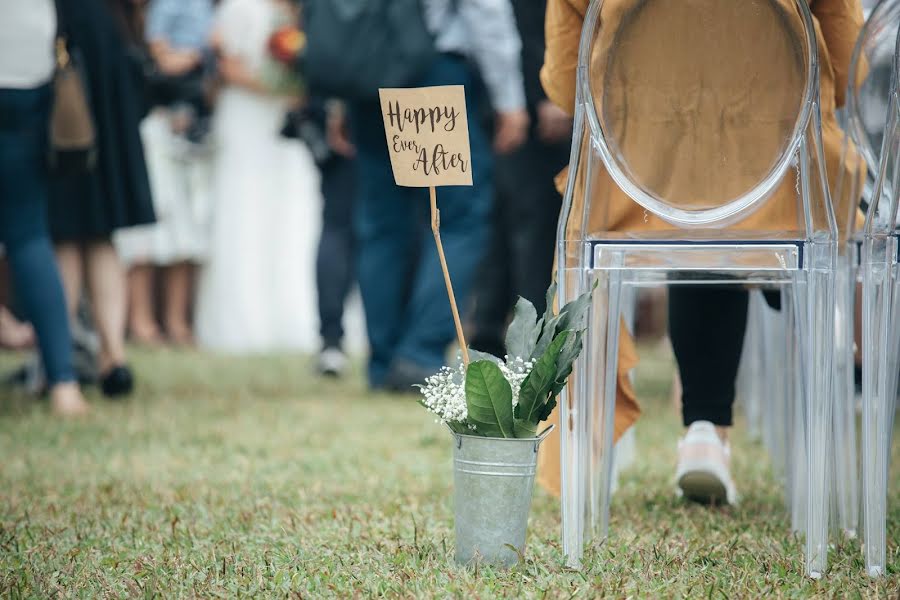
x: 444, y: 394
x: 515, y: 370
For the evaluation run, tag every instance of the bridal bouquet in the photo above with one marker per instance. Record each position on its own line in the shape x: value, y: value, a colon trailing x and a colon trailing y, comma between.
x: 286, y: 45
x: 510, y: 397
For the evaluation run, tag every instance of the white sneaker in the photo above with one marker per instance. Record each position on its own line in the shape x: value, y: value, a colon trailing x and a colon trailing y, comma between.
x: 703, y: 472
x: 332, y: 362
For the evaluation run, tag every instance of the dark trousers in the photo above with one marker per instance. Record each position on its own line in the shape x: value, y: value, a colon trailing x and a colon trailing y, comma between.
x: 407, y: 311
x: 707, y: 327
x: 335, y: 259
x: 23, y: 225
x: 523, y: 236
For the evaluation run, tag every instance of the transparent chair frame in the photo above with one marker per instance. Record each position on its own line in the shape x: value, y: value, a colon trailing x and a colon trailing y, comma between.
x: 881, y: 330
x: 803, y: 265
x: 843, y: 448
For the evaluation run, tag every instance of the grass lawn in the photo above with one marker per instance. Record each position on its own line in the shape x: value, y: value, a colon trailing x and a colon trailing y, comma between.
x: 231, y: 477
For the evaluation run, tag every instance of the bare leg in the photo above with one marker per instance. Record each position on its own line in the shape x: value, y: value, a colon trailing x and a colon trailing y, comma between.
x: 107, y: 289
x: 66, y: 400
x: 179, y: 280
x: 14, y: 334
x: 141, y: 311
x: 71, y: 270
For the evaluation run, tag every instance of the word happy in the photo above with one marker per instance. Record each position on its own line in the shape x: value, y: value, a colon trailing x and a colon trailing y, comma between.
x: 418, y: 117
x: 430, y: 159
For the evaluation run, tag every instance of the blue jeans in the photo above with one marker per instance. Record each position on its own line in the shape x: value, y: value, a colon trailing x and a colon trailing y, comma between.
x: 407, y: 311
x: 23, y: 225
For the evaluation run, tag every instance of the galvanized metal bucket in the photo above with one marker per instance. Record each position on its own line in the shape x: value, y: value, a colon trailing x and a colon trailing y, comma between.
x: 493, y: 485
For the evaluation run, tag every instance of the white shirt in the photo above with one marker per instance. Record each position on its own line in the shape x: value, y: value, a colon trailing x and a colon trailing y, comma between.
x: 27, y: 34
x: 485, y: 30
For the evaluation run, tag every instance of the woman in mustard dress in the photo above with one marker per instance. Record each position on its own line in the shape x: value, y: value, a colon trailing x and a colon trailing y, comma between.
x: 707, y: 325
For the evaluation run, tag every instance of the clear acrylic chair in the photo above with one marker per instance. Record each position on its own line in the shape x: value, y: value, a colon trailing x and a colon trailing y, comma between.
x: 881, y: 281
x: 638, y: 80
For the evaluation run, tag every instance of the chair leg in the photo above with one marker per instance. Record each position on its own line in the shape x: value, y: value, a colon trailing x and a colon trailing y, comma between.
x: 573, y: 439
x: 604, y: 379
x: 774, y: 376
x: 843, y: 446
x: 879, y: 327
x: 797, y: 469
x: 791, y: 414
x: 817, y: 296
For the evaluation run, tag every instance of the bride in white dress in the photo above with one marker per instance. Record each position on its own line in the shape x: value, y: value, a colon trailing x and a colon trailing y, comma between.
x: 257, y: 290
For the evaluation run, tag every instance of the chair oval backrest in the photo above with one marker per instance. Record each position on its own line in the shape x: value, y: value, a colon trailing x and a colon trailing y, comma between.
x: 869, y: 80
x: 697, y: 107
x: 881, y: 217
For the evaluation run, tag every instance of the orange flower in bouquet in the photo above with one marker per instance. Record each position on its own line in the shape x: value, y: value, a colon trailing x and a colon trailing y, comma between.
x: 287, y: 44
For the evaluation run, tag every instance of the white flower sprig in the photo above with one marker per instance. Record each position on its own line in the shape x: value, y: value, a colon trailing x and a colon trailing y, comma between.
x: 515, y: 370
x: 444, y: 394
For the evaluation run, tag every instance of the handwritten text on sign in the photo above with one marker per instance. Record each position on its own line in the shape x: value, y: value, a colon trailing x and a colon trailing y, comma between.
x: 427, y: 135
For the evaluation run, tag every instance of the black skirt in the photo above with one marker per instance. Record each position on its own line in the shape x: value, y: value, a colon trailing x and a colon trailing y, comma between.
x: 116, y: 194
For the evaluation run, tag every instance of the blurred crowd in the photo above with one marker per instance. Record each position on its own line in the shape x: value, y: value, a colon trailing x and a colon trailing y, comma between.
x: 218, y: 198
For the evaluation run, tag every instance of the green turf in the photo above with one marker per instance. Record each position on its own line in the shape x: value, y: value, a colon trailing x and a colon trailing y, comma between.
x: 230, y: 477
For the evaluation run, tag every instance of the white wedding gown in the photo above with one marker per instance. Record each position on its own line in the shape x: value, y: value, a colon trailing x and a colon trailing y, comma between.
x: 257, y: 291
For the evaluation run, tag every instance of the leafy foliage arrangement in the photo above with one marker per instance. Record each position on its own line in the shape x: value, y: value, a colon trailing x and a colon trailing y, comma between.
x: 509, y: 398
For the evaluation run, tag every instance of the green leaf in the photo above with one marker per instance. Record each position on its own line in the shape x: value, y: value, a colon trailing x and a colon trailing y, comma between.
x: 522, y: 335
x: 546, y: 337
x: 551, y: 298
x: 573, y: 314
x: 547, y: 408
x: 489, y: 400
x: 570, y: 351
x: 536, y: 387
x: 524, y: 429
x: 476, y: 355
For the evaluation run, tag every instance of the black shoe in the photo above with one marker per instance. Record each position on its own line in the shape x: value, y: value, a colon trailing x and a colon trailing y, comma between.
x: 118, y: 382
x: 404, y: 376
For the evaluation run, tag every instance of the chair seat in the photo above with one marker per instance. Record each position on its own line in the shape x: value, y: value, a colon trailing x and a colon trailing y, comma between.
x: 700, y: 236
x: 744, y: 260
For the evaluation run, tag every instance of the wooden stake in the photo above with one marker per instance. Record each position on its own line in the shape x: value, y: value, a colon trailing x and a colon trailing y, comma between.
x: 436, y: 230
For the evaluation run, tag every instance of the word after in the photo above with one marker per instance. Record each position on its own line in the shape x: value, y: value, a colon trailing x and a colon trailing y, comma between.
x: 427, y: 135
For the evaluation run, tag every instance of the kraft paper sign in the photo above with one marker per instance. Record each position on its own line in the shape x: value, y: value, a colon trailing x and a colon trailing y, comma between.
x: 427, y: 135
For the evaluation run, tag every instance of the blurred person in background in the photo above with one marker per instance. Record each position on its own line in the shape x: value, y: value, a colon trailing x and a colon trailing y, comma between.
x: 321, y: 126
x: 179, y: 164
x: 335, y: 261
x: 14, y: 334
x: 408, y: 314
x: 87, y: 208
x: 526, y: 207
x: 27, y: 63
x: 257, y: 287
